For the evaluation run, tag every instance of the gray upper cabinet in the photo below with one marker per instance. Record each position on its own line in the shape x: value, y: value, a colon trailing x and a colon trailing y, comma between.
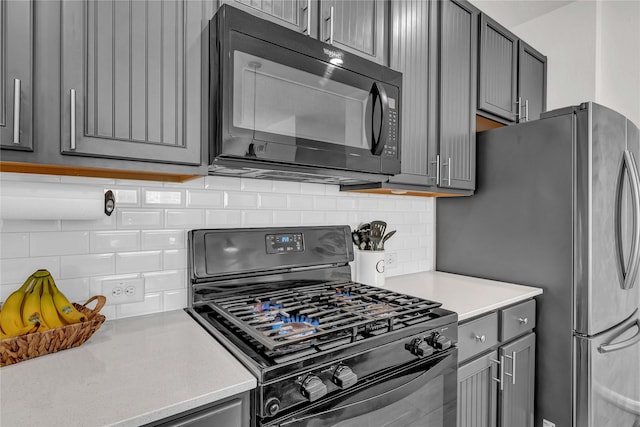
x: 131, y: 80
x: 298, y: 15
x: 498, y: 76
x: 458, y: 65
x: 355, y: 26
x: 359, y: 27
x: 16, y: 64
x: 438, y: 61
x: 413, y: 52
x: 532, y: 81
x: 511, y: 75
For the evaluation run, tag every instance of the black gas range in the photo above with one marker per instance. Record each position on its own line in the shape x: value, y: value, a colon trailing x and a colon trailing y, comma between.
x: 325, y: 350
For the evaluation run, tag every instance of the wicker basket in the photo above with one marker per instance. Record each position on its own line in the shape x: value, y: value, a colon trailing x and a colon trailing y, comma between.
x: 25, y: 347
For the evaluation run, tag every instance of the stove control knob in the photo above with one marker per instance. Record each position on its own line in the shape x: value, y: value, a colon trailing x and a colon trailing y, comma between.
x: 419, y: 347
x: 272, y: 406
x: 313, y: 388
x: 344, y: 377
x: 439, y: 342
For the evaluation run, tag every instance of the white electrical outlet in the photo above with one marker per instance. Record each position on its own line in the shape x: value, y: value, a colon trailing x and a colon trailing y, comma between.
x: 123, y: 291
x: 547, y: 423
x: 391, y: 260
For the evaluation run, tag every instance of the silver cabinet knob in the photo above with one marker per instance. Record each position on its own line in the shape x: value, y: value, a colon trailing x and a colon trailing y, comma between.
x: 523, y: 321
x: 481, y: 338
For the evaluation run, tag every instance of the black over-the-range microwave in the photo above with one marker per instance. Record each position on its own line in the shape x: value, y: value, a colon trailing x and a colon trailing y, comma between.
x: 287, y: 106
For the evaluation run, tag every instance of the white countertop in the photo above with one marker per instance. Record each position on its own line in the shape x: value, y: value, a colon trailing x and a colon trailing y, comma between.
x: 130, y: 372
x: 467, y: 296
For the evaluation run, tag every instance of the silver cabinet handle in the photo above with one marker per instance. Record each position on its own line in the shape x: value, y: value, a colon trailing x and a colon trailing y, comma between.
x: 16, y: 111
x: 513, y: 367
x: 519, y: 104
x: 526, y: 110
x: 330, y: 19
x: 500, y: 379
x: 437, y: 162
x: 307, y: 30
x: 72, y: 99
x: 481, y: 338
x: 448, y: 164
x: 523, y: 321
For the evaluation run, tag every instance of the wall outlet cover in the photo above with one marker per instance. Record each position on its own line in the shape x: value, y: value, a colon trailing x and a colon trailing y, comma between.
x: 123, y: 291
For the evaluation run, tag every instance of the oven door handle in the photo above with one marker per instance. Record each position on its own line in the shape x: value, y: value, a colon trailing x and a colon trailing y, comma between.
x: 385, y: 398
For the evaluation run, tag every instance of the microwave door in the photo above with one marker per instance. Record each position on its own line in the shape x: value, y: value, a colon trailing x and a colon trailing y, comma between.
x: 289, y: 107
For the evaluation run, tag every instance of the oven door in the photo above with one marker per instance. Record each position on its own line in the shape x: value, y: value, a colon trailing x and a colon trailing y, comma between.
x: 420, y: 394
x: 282, y: 106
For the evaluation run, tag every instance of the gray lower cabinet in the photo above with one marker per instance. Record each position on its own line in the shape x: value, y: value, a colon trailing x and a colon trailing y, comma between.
x: 511, y: 75
x: 496, y: 375
x: 16, y: 82
x: 131, y: 80
x: 359, y: 27
x: 230, y: 412
x: 438, y: 62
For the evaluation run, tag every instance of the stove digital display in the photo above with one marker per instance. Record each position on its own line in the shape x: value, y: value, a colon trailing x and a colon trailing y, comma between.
x: 284, y: 243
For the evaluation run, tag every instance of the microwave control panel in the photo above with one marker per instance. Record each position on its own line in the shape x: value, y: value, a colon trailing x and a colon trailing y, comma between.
x: 391, y: 146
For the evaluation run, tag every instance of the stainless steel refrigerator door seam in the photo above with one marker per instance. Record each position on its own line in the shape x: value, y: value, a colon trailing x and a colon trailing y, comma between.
x: 606, y: 348
x: 16, y: 111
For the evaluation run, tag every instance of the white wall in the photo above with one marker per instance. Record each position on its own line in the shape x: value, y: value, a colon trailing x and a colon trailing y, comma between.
x: 593, y: 51
x: 146, y: 236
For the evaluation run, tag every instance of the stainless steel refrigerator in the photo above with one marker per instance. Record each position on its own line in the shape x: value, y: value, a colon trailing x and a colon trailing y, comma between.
x: 558, y: 206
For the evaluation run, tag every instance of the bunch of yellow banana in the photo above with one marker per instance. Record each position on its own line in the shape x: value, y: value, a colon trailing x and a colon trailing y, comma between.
x: 37, y: 306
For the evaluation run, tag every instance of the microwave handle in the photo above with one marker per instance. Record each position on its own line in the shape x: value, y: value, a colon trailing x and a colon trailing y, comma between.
x: 377, y: 145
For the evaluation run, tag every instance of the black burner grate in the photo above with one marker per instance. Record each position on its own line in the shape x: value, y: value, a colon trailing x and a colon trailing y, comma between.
x: 283, y: 317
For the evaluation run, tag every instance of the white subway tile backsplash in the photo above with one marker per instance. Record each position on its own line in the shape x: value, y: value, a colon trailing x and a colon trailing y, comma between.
x: 114, y: 241
x: 126, y: 196
x: 134, y: 262
x: 105, y: 223
x: 70, y: 179
x: 250, y: 184
x: 205, y: 199
x: 272, y: 201
x: 17, y: 270
x: 237, y: 200
x: 175, y: 300
x: 152, y: 304
x: 19, y: 225
x: 286, y: 218
x: 146, y: 236
x: 185, y: 218
x: 165, y: 197
x: 11, y: 176
x: 74, y: 266
x: 257, y: 218
x: 223, y: 218
x: 300, y: 202
x: 174, y: 259
x: 139, y: 218
x: 222, y: 183
x: 163, y: 239
x: 14, y: 245
x: 165, y: 280
x: 59, y: 243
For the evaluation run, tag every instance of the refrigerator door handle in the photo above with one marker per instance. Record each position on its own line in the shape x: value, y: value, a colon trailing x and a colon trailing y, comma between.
x: 628, y: 275
x: 607, y: 348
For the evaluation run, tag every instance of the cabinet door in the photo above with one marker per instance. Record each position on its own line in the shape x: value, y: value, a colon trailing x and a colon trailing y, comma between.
x: 458, y: 41
x: 478, y: 392
x: 298, y: 15
x: 532, y: 81
x: 497, y: 77
x: 132, y: 79
x: 413, y: 52
x: 516, y: 398
x: 355, y: 26
x: 16, y: 51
